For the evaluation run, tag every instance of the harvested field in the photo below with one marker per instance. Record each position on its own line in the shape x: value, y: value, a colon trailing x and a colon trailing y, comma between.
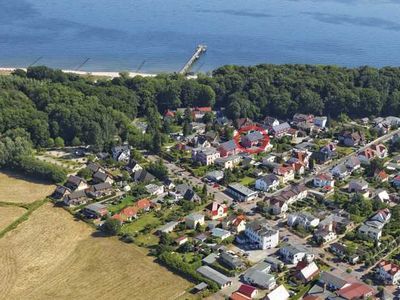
x: 9, y: 214
x: 52, y: 256
x: 18, y: 189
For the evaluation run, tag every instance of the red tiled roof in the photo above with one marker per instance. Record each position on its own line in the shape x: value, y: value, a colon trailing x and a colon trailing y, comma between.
x: 247, y: 290
x: 389, y: 267
x: 238, y: 220
x: 238, y: 296
x: 118, y: 217
x: 129, y: 211
x: 355, y: 291
x: 311, y: 297
x: 169, y: 113
x: 203, y: 109
x: 143, y: 204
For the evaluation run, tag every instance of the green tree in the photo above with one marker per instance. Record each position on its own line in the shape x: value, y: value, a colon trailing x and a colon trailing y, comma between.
x: 59, y: 142
x: 111, y: 226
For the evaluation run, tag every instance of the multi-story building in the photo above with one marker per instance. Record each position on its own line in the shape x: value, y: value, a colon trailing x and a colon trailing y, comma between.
x: 206, y: 156
x: 259, y: 232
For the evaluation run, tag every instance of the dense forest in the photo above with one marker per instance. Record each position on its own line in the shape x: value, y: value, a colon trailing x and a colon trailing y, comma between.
x: 47, y: 107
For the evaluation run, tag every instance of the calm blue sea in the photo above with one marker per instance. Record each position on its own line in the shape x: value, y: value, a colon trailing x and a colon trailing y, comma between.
x: 120, y: 34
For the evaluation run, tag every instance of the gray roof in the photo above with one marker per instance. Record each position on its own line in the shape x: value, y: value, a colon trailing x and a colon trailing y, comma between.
x: 214, y: 275
x: 101, y: 186
x: 229, y: 145
x: 331, y: 279
x: 169, y: 226
x: 259, y: 278
x: 210, y: 259
x: 261, y: 227
x: 100, y: 175
x: 96, y: 207
x: 75, y: 180
x: 294, y: 249
x: 269, y: 178
x: 245, y: 191
x: 280, y: 127
x: 230, y: 260
x: 254, y: 136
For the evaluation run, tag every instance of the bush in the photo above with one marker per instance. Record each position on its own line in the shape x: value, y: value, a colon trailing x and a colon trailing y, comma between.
x: 111, y: 226
x: 42, y: 170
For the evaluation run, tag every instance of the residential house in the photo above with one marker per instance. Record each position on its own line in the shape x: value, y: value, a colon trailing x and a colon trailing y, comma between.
x: 154, y: 189
x: 229, y: 148
x: 216, y: 211
x: 129, y: 212
x: 332, y: 281
x: 199, y: 112
x: 215, y: 276
x: 193, y: 220
x: 380, y: 150
x: 352, y: 139
x: 260, y: 233
x: 396, y: 181
x: 320, y: 121
x: 101, y: 177
x: 280, y: 130
x: 371, y: 230
x: 94, y: 167
x: 276, y: 264
x: 143, y: 205
x: 303, y: 219
x: 294, y: 254
x: 181, y: 240
x: 100, y: 190
x: 303, y: 118
x: 248, y: 291
x: 244, y: 122
x: 168, y: 228
x: 76, y: 198
x: 340, y: 171
x: 210, y: 259
x: 366, y: 155
x: 75, y: 183
x: 382, y: 216
x: 338, y: 222
x: 231, y: 261
x: 381, y: 176
x: 235, y: 223
x: 267, y: 183
x: 324, y: 236
x: 382, y: 196
x: 121, y: 153
x: 60, y: 192
x: 94, y: 211
x: 285, y: 173
x: 356, y: 290
x: 280, y: 293
x: 240, y: 192
x: 220, y: 233
x: 388, y: 272
x: 143, y: 176
x: 353, y: 163
x: 185, y: 191
x: 270, y: 122
x: 252, y: 139
x: 259, y: 276
x: 205, y: 156
x: 228, y: 162
x: 359, y: 186
x: 308, y: 272
x: 215, y: 176
x: 323, y: 180
x: 133, y: 167
x: 280, y: 202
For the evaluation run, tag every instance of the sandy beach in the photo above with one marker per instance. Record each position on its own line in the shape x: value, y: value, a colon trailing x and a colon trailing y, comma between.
x: 99, y: 73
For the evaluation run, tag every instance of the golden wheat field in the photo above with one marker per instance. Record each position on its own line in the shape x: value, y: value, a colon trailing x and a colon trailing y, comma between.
x: 9, y: 214
x: 14, y: 188
x: 52, y: 256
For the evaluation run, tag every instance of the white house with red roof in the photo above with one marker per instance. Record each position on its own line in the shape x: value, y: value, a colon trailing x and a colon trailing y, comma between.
x: 380, y: 150
x: 248, y: 291
x: 216, y: 211
x: 388, y: 272
x: 367, y: 155
x: 285, y: 173
x: 356, y: 290
x: 324, y: 179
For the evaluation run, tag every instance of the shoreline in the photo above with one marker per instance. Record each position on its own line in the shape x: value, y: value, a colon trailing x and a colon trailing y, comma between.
x: 88, y: 73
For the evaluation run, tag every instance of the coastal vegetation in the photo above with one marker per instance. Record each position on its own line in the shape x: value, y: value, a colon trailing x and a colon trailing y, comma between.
x: 42, y: 107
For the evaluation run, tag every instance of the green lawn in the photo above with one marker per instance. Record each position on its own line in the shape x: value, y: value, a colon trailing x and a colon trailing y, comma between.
x: 141, y: 223
x: 124, y: 203
x: 343, y: 151
x: 247, y: 181
x: 147, y: 240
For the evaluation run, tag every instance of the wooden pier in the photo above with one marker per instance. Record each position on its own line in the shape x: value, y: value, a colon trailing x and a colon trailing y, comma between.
x: 200, y: 49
